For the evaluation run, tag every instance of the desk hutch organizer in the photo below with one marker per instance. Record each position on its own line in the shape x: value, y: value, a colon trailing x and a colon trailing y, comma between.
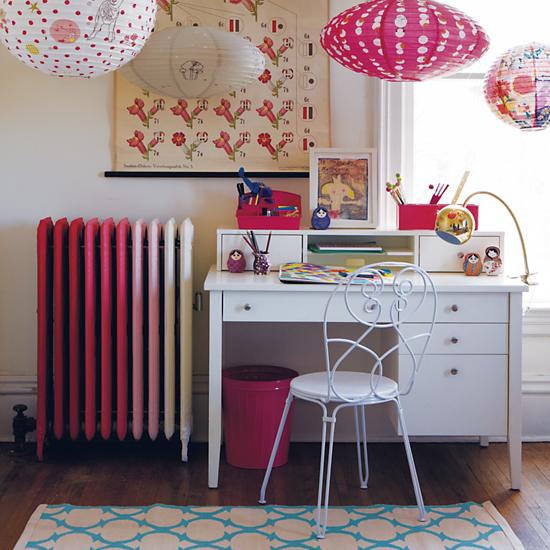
x: 422, y: 248
x: 471, y: 382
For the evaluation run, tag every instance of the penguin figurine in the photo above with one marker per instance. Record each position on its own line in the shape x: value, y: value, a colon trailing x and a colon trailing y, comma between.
x: 472, y: 265
x: 320, y: 218
x: 236, y: 263
x: 492, y: 264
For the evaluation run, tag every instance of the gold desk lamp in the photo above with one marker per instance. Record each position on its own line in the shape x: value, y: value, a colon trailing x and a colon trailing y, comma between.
x: 455, y: 224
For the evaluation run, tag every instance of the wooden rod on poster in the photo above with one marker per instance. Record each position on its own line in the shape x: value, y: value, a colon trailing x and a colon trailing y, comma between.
x: 273, y: 175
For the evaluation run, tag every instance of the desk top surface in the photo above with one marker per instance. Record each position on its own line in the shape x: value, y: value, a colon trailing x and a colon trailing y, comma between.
x: 444, y: 282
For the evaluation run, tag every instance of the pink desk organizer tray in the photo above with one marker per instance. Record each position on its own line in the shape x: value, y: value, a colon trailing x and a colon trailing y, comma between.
x: 422, y: 216
x: 250, y: 216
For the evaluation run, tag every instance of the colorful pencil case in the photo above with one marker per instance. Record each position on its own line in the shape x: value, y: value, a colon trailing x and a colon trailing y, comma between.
x: 422, y: 216
x: 282, y: 211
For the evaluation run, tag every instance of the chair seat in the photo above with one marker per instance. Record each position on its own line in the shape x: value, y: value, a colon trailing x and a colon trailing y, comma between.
x: 351, y: 386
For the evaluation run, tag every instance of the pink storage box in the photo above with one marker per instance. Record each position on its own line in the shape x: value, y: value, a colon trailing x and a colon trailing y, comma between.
x: 423, y: 216
x: 250, y: 216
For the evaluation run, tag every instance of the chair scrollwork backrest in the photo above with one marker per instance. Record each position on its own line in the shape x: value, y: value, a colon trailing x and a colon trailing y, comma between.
x: 376, y: 301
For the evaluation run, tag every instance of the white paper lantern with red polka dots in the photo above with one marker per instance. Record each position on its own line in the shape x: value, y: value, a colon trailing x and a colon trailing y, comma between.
x: 82, y: 38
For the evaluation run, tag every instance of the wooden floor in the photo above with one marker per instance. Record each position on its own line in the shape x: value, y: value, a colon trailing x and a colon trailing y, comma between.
x: 145, y: 474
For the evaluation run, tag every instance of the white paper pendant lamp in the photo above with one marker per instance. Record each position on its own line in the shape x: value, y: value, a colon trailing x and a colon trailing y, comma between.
x: 195, y: 62
x: 82, y: 38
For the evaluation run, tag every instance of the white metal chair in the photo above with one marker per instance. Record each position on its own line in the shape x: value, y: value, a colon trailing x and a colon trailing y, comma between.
x: 374, y: 305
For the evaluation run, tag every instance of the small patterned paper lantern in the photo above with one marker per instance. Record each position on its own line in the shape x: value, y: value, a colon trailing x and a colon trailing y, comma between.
x: 83, y: 38
x: 404, y: 40
x: 517, y: 87
x: 195, y: 62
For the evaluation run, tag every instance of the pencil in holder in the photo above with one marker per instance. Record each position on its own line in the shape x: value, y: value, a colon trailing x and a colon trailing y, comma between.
x: 281, y: 211
x: 423, y: 216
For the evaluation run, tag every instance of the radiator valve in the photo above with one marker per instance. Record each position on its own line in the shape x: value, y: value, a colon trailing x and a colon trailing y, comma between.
x: 22, y: 425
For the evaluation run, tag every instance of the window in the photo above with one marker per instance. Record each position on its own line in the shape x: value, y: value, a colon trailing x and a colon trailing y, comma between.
x: 449, y: 128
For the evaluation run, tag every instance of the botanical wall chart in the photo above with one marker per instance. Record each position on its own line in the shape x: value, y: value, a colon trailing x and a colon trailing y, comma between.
x: 269, y: 126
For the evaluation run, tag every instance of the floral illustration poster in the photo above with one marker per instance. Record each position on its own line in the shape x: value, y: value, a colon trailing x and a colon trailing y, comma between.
x: 268, y: 126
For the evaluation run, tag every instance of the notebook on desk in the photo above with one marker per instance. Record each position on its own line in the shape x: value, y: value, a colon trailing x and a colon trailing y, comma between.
x: 323, y: 274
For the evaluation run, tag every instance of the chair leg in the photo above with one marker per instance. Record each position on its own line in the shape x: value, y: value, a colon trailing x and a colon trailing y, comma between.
x: 276, y: 443
x: 322, y: 511
x: 412, y: 467
x: 363, y: 476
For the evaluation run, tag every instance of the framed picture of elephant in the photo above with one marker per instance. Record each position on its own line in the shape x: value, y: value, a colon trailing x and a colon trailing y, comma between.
x: 344, y: 181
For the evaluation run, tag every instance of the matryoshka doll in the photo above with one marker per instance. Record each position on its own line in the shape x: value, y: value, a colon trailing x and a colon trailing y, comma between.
x: 492, y: 264
x: 472, y: 265
x: 236, y: 263
x: 320, y: 218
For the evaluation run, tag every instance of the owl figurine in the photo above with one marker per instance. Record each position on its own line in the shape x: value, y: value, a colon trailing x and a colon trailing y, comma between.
x: 472, y: 265
x: 236, y: 263
x: 320, y: 218
x: 492, y: 264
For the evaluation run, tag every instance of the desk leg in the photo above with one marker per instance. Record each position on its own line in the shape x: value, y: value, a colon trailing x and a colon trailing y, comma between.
x: 215, y: 389
x: 514, y: 390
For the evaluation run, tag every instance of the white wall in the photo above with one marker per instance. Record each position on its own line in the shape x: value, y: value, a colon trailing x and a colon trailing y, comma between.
x: 55, y: 143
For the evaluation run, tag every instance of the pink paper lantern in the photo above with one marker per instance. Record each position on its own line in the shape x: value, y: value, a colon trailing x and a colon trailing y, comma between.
x: 517, y: 87
x: 82, y: 38
x: 404, y: 40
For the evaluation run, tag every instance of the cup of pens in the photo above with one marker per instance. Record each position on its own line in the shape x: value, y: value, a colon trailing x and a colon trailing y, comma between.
x: 262, y: 263
x: 422, y: 217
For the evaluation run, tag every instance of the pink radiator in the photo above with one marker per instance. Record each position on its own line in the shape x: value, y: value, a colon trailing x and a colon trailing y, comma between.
x: 114, y: 330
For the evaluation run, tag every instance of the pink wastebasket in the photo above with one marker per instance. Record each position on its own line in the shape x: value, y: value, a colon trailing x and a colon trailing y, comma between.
x: 253, y: 402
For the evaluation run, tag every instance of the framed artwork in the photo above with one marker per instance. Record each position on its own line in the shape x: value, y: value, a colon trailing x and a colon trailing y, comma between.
x: 268, y: 127
x: 345, y: 182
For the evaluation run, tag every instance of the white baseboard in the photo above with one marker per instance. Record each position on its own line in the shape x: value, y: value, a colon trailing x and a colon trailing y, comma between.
x: 536, y: 410
x: 536, y: 407
x: 536, y: 384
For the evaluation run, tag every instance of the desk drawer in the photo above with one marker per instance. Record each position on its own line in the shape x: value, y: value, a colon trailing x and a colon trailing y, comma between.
x: 435, y: 255
x: 472, y: 401
x: 461, y: 308
x: 282, y: 248
x: 459, y: 338
x: 303, y: 307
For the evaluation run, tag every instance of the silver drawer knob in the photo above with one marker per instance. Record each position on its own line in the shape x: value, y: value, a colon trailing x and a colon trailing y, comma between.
x: 454, y: 372
x: 247, y: 307
x: 454, y: 308
x: 454, y: 340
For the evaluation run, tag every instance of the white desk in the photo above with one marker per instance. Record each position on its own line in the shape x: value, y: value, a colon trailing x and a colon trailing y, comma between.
x: 478, y: 334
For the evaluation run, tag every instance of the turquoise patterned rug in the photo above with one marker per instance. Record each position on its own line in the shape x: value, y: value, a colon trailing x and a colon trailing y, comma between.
x: 159, y: 527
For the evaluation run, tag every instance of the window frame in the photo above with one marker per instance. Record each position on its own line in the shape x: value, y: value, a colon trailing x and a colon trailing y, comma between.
x: 395, y: 107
